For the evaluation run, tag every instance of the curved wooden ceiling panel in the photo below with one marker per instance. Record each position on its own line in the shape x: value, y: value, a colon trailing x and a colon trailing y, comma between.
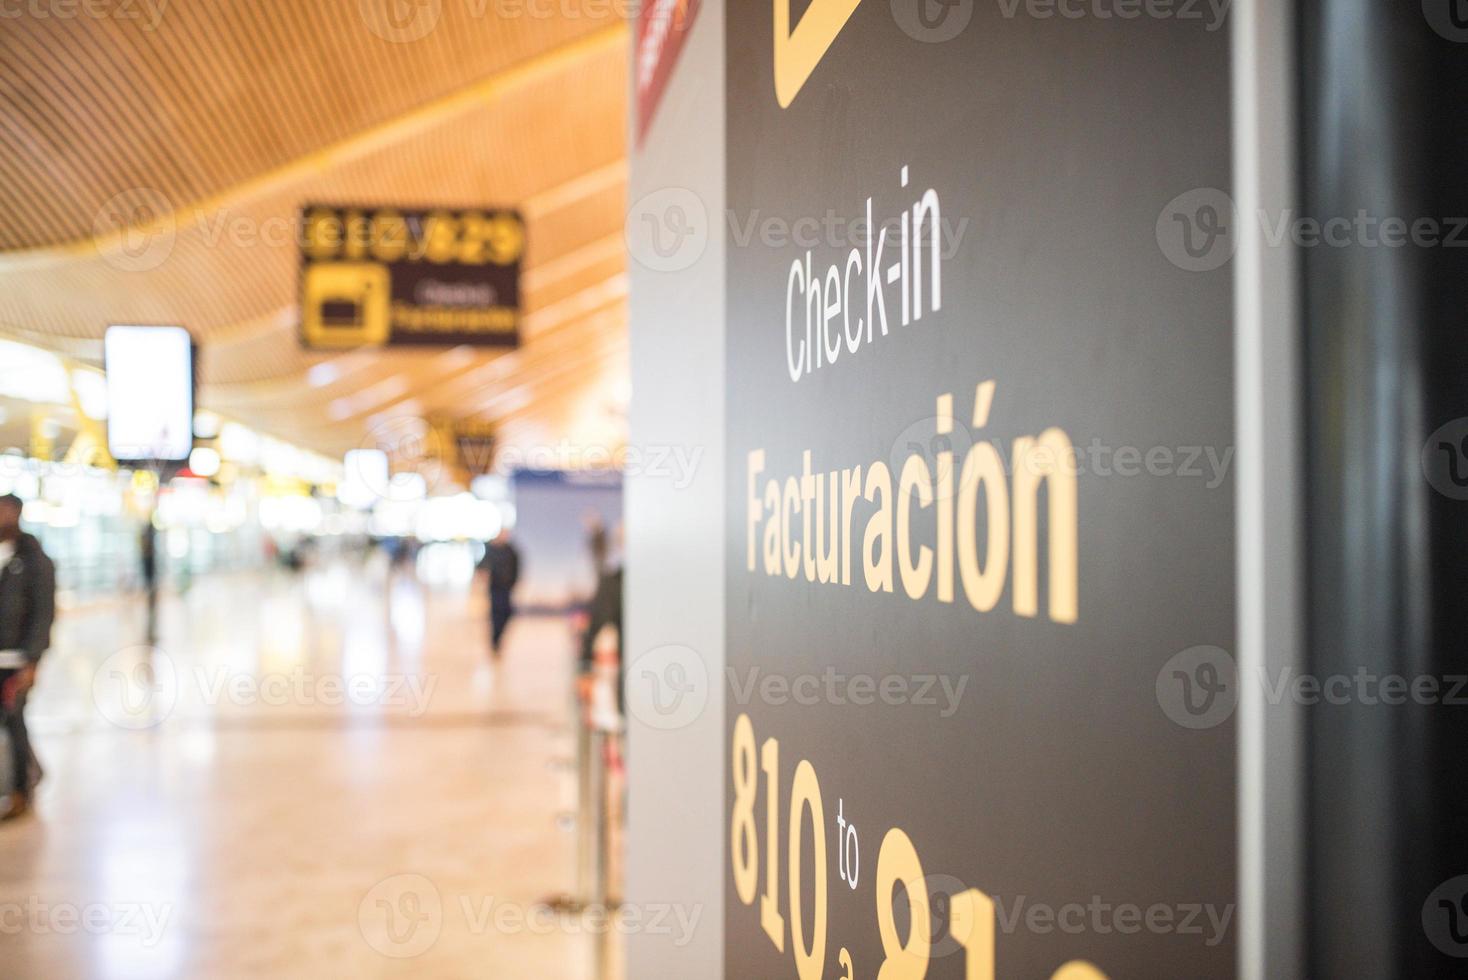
x: 195, y: 98
x: 152, y: 172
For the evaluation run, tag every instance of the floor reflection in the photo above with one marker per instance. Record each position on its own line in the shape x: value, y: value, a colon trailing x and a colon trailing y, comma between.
x: 326, y: 745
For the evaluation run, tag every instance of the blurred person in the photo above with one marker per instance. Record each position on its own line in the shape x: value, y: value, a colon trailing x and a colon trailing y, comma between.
x: 502, y: 563
x: 148, y: 558
x: 596, y: 541
x: 27, y: 610
x: 402, y: 552
x: 605, y: 611
x: 297, y: 555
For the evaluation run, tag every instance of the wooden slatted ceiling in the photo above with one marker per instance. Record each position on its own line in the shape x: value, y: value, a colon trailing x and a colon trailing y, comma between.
x: 200, y: 137
x: 218, y: 92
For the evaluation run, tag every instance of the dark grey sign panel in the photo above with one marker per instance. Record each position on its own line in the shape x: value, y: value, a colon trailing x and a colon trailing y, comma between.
x: 980, y: 493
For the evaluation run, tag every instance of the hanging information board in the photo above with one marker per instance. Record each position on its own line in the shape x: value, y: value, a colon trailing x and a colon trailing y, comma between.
x: 378, y: 276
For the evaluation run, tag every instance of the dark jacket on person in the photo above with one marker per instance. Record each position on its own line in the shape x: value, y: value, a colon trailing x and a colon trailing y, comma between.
x: 27, y: 600
x: 502, y: 561
x: 605, y: 610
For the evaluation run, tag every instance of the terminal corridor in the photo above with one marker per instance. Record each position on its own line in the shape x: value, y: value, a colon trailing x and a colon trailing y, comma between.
x: 713, y: 490
x: 331, y: 778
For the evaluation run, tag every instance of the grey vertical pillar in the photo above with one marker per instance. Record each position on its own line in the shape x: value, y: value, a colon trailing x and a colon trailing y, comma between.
x: 1383, y: 134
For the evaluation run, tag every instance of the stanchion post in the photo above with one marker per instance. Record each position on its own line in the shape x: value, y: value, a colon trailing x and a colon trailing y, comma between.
x: 598, y: 815
x: 585, y: 826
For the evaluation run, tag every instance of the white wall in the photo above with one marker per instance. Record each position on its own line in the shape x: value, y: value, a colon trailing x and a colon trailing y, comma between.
x: 675, y: 533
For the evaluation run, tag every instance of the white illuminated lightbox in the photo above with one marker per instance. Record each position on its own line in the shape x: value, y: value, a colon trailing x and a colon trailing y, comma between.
x: 150, y: 393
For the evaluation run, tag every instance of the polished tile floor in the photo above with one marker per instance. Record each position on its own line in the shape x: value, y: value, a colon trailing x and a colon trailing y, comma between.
x: 313, y: 776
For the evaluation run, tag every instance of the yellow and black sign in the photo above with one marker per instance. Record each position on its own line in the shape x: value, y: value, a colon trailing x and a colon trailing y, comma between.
x: 799, y: 51
x: 475, y: 441
x: 979, y: 698
x: 378, y: 276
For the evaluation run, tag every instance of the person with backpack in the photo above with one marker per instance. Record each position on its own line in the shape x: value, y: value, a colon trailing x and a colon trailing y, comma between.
x: 27, y: 611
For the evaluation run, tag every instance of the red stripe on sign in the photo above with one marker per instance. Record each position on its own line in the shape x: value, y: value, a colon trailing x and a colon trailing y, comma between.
x: 662, y: 26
